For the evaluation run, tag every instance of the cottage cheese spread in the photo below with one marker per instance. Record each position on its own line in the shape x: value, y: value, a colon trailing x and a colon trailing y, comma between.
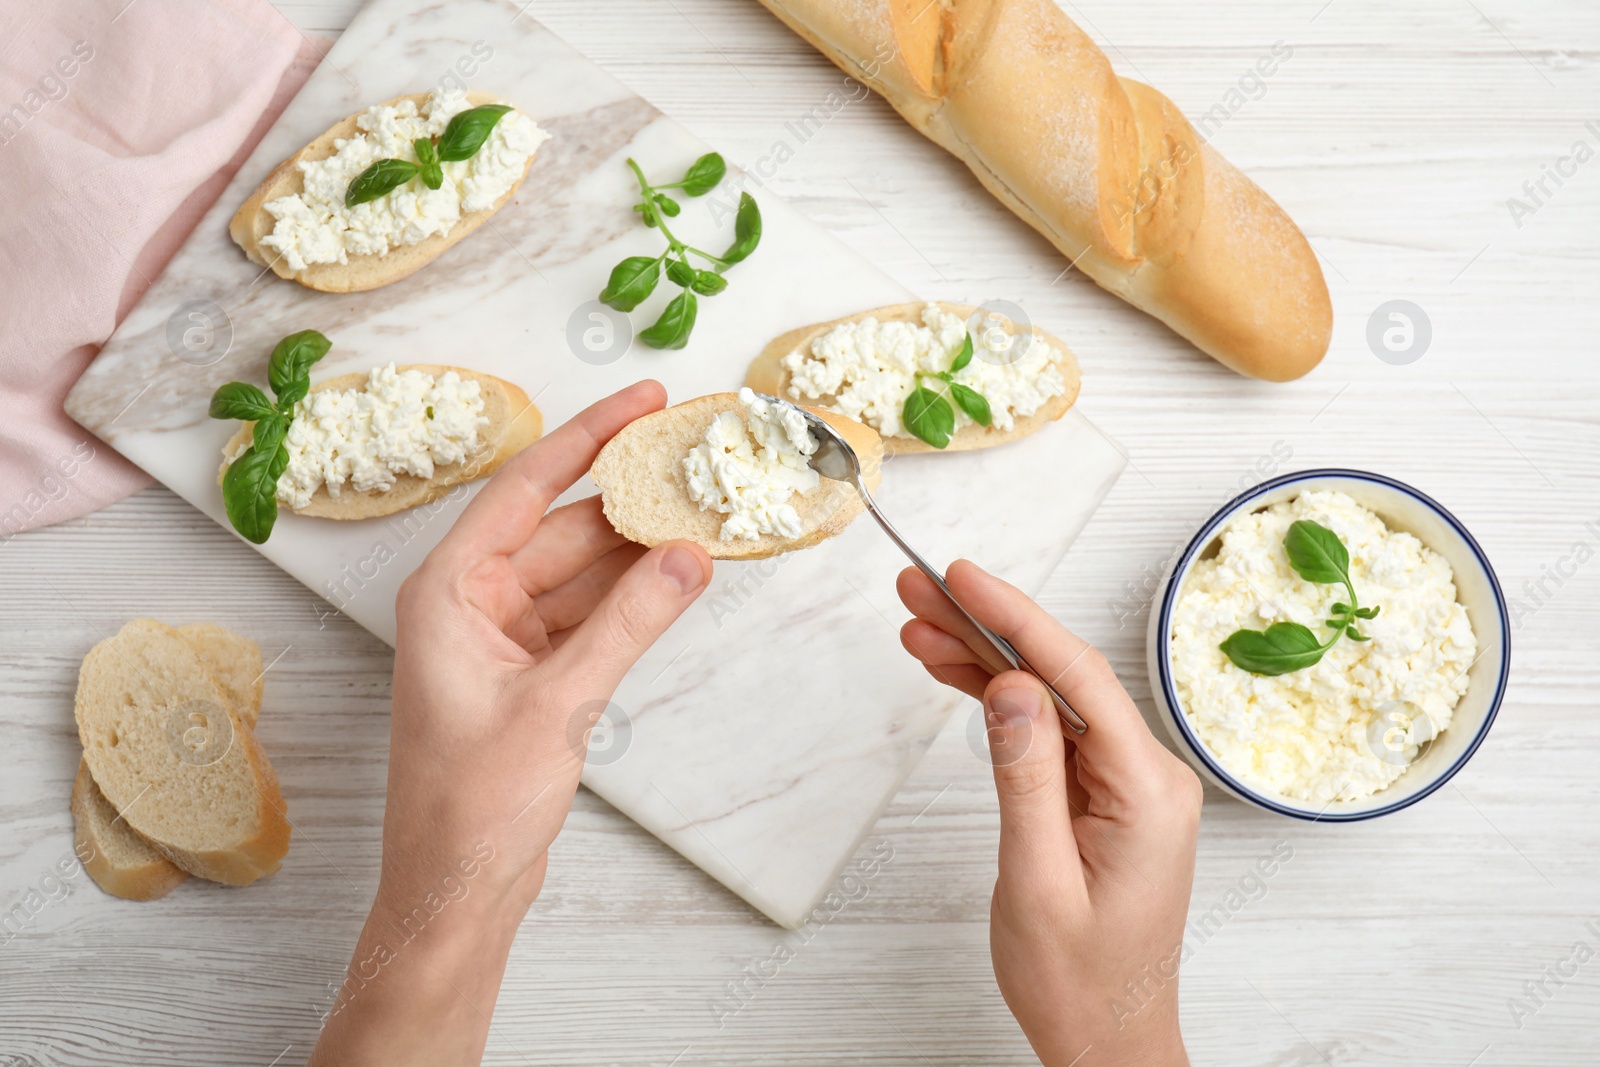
x: 1347, y: 726
x: 314, y: 226
x: 404, y: 422
x: 867, y: 369
x: 750, y: 465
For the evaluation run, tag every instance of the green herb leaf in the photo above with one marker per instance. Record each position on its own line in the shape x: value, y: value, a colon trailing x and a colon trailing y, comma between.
x: 964, y: 356
x: 972, y: 402
x: 267, y: 435
x: 1340, y: 608
x: 1356, y: 636
x: 708, y: 282
x: 680, y: 272
x: 671, y: 330
x: 467, y: 132
x: 428, y: 162
x: 928, y: 415
x: 1316, y: 553
x: 1284, y: 647
x: 669, y: 207
x: 703, y: 174
x: 250, y: 492
x: 289, y: 370
x: 384, y: 176
x: 631, y: 282
x: 1368, y: 613
x: 241, y: 400
x: 746, y: 230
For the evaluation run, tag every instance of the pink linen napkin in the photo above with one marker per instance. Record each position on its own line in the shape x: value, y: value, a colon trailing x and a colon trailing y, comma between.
x: 120, y: 124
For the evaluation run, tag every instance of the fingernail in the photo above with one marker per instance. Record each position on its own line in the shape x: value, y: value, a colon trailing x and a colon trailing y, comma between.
x: 1013, y: 707
x: 684, y: 570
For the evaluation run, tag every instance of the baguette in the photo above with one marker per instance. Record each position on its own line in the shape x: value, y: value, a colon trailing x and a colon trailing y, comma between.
x: 514, y: 424
x: 1106, y: 168
x: 220, y: 816
x: 119, y: 859
x: 362, y: 272
x: 768, y: 375
x: 645, y: 494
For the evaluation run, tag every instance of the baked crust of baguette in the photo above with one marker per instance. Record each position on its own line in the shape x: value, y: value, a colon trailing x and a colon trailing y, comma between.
x: 767, y: 375
x: 645, y: 493
x: 1105, y: 168
x: 514, y: 424
x: 363, y: 272
x: 129, y: 686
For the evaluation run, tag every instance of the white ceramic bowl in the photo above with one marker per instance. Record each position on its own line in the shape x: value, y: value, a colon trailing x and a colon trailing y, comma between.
x: 1402, y: 508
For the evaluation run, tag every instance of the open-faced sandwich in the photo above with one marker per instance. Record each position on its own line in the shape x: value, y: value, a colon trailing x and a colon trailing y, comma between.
x: 362, y: 445
x: 927, y: 377
x: 729, y: 471
x: 384, y: 193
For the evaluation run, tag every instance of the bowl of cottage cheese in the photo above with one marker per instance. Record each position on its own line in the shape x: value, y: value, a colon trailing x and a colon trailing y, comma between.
x: 1316, y: 713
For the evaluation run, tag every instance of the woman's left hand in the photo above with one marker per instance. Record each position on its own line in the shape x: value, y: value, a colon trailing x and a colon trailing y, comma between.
x: 513, y: 634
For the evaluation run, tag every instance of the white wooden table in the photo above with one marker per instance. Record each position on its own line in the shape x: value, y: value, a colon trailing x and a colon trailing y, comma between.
x: 1395, y: 134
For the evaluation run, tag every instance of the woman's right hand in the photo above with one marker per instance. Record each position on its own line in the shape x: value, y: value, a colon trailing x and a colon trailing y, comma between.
x: 1097, y: 832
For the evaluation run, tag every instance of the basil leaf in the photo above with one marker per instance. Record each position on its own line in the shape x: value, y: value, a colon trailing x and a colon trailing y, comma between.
x: 964, y: 356
x: 631, y: 281
x: 708, y: 282
x: 250, y: 493
x: 671, y: 330
x: 703, y: 174
x: 669, y: 207
x: 268, y: 434
x: 1368, y: 613
x: 1284, y: 647
x: 384, y: 176
x: 241, y: 400
x: 746, y: 230
x: 289, y: 370
x: 680, y: 272
x: 972, y: 402
x: 927, y: 415
x: 467, y: 132
x: 428, y: 163
x: 1316, y: 553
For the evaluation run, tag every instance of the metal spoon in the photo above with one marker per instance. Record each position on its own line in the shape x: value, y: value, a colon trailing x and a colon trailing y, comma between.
x: 835, y: 460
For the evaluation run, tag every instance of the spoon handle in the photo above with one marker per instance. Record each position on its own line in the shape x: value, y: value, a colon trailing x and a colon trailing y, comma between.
x: 1001, y: 646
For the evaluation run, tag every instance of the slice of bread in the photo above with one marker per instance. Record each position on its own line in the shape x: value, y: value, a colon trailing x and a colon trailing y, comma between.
x: 117, y: 856
x: 767, y: 375
x: 179, y: 764
x: 234, y: 661
x: 514, y: 424
x: 119, y: 860
x: 252, y: 222
x: 645, y: 492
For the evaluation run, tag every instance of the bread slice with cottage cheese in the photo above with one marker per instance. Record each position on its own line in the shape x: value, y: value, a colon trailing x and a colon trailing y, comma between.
x: 644, y: 487
x: 120, y: 859
x: 361, y: 272
x: 767, y: 374
x: 514, y: 424
x: 175, y: 760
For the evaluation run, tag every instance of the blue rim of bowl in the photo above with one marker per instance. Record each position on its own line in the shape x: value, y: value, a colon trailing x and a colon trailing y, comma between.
x: 1205, y: 536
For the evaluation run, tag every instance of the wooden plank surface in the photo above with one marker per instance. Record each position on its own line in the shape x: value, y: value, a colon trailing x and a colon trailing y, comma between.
x: 1395, y: 134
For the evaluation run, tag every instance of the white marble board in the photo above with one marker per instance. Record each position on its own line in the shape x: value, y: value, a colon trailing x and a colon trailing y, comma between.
x: 768, y: 729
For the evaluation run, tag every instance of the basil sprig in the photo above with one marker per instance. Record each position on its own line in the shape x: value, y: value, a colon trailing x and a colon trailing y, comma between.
x: 250, y: 484
x: 461, y: 139
x: 927, y: 412
x: 1317, y: 555
x: 635, y: 278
